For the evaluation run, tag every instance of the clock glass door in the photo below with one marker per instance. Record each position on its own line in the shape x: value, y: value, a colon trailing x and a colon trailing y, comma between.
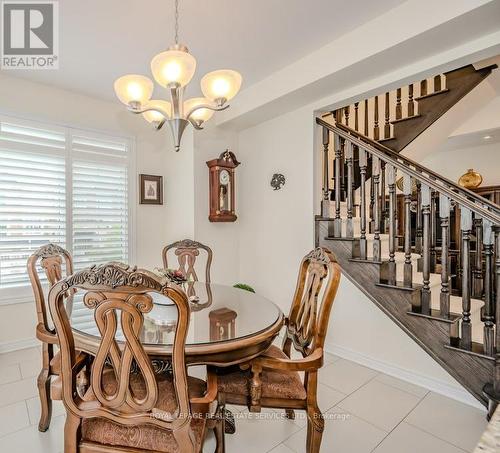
x: 225, y: 191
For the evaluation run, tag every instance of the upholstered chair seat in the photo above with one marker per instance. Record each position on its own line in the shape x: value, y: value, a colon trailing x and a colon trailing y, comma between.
x: 145, y: 437
x: 275, y: 383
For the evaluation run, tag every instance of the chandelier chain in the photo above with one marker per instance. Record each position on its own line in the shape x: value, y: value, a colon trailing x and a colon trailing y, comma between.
x: 176, y: 22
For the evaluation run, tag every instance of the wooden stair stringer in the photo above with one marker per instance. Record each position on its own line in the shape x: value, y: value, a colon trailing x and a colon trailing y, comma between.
x: 471, y: 371
x: 433, y: 106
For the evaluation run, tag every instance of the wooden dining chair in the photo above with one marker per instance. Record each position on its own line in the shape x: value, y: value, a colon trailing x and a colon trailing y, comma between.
x: 124, y: 411
x: 50, y: 258
x: 187, y: 252
x: 273, y: 380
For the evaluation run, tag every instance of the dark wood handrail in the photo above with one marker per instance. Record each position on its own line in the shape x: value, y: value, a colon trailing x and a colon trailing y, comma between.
x: 430, y: 178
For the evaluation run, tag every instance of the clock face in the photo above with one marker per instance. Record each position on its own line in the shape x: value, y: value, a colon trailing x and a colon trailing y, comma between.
x: 224, y: 177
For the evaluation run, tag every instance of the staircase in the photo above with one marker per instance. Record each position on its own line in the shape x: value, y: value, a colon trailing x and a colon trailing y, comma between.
x: 409, y: 111
x: 432, y: 264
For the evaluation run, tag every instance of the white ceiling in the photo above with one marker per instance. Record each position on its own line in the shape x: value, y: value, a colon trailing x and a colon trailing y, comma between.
x: 102, y: 40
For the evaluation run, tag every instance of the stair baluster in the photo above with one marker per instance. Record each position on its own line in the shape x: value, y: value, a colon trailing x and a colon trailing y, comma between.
x: 444, y: 296
x: 418, y: 221
x: 408, y: 267
x: 433, y: 233
x: 363, y: 160
x: 387, y: 125
x: 437, y: 83
x: 466, y: 227
x: 366, y: 128
x: 423, y: 87
x: 399, y: 110
x: 325, y: 202
x: 377, y: 255
x: 349, y: 159
x: 426, y: 249
x: 477, y: 275
x: 356, y: 119
x: 489, y: 301
x: 411, y: 102
x: 376, y: 129
x: 337, y: 223
x: 383, y: 201
x: 391, y: 180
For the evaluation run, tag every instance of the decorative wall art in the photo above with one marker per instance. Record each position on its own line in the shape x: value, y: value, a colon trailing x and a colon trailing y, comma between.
x: 151, y: 189
x: 278, y: 181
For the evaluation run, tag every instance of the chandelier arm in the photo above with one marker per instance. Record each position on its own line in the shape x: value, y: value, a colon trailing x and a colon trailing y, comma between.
x: 138, y: 111
x: 193, y: 123
x: 206, y: 106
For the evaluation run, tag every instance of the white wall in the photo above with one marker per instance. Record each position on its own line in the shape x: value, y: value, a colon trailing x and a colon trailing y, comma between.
x: 155, y: 225
x: 453, y: 163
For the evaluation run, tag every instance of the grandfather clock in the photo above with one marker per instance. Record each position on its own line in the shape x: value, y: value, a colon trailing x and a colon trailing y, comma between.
x: 221, y: 186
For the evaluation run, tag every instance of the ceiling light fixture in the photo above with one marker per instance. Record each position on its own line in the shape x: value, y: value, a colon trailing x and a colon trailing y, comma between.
x: 487, y: 137
x: 174, y: 69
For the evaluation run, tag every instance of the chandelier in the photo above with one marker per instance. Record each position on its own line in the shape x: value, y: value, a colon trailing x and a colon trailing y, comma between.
x: 174, y: 69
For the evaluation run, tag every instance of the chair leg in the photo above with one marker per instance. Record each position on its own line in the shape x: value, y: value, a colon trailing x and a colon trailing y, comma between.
x: 43, y: 383
x: 315, y: 427
x: 71, y: 433
x: 219, y: 429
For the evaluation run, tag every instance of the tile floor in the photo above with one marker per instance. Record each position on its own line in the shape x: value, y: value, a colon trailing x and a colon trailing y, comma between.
x: 366, y: 411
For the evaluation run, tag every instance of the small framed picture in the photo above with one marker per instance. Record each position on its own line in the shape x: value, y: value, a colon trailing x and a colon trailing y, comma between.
x: 151, y: 189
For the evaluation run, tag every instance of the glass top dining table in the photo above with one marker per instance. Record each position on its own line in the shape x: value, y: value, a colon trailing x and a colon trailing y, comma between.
x: 227, y: 325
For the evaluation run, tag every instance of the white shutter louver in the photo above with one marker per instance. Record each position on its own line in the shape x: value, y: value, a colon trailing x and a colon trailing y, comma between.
x: 32, y: 196
x: 100, y: 202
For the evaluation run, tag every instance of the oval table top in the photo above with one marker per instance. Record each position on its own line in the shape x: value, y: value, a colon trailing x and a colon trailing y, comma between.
x: 227, y: 326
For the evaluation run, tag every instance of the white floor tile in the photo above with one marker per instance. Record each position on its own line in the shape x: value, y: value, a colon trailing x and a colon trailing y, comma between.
x: 10, y: 373
x: 282, y: 448
x: 344, y: 433
x: 32, y: 441
x: 381, y: 405
x: 30, y: 368
x: 258, y: 433
x: 34, y: 409
x: 409, y: 439
x: 402, y: 385
x: 19, y: 356
x: 450, y: 420
x: 13, y: 418
x: 14, y: 392
x: 345, y: 376
x: 330, y: 358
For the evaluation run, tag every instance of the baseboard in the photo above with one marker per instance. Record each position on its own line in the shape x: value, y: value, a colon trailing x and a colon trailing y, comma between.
x: 18, y: 345
x: 430, y: 383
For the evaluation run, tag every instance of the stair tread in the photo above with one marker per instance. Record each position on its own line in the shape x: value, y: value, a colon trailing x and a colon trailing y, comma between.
x: 406, y: 118
x: 435, y: 93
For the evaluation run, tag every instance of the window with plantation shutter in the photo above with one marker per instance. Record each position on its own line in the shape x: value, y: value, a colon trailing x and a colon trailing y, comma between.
x: 61, y: 185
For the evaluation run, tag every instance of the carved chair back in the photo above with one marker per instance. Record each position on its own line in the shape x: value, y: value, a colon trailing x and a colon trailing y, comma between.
x: 50, y: 258
x: 317, y: 284
x: 119, y: 297
x: 187, y: 252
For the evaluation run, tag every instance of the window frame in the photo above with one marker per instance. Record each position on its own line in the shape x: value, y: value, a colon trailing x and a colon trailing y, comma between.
x: 23, y: 293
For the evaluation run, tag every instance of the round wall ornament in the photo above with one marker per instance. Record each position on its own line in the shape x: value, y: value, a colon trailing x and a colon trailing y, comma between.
x: 277, y: 181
